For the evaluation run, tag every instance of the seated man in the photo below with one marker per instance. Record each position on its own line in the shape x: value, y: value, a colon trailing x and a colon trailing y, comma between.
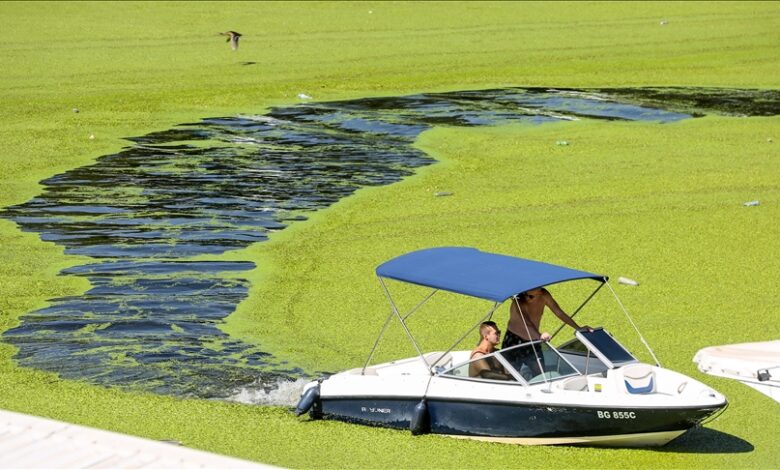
x: 489, y: 367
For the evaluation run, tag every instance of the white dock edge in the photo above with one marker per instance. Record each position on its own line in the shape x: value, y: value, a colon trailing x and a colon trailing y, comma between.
x: 32, y: 442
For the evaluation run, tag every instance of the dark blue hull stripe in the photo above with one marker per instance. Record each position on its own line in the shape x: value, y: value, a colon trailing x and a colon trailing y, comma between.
x: 494, y: 419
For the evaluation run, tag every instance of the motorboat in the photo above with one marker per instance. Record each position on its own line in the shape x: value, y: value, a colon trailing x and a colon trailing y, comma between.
x: 756, y: 365
x: 589, y: 390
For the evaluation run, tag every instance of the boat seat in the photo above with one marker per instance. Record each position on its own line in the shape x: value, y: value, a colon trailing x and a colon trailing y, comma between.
x: 639, y: 379
x: 576, y: 384
x: 442, y: 361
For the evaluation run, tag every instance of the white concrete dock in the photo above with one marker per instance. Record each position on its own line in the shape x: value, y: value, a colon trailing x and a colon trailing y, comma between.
x: 32, y: 442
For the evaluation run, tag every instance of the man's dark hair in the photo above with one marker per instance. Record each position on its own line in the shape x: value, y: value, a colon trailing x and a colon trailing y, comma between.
x: 485, y: 325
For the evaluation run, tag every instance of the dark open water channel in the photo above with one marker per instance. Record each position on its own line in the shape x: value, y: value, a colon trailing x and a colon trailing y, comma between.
x: 150, y: 320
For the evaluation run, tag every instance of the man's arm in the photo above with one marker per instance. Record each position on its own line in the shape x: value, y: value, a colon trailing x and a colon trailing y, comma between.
x: 493, y: 375
x: 482, y: 369
x: 558, y: 311
x: 476, y: 368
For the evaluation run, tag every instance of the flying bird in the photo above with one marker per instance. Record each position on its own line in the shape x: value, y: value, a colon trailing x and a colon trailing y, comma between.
x: 233, y: 37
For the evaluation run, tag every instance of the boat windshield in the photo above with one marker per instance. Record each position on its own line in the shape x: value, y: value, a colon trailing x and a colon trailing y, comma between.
x: 532, y: 362
x: 607, y: 348
x: 537, y: 362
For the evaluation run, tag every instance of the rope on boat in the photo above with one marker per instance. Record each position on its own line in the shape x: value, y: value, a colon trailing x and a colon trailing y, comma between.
x: 642, y: 338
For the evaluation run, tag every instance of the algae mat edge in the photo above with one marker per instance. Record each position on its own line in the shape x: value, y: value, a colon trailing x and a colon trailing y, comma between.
x: 663, y: 205
x: 273, y: 435
x: 121, y: 79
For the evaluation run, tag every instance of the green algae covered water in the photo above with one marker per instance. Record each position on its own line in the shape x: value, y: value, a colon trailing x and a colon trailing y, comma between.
x: 150, y: 320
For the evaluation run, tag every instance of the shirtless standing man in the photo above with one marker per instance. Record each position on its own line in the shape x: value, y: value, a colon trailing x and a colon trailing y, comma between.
x: 532, y: 303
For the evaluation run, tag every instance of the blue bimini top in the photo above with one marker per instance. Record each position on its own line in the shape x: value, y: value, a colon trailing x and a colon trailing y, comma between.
x: 475, y: 273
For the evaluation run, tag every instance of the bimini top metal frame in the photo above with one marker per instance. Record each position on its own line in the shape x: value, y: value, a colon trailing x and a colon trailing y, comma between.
x: 471, y: 272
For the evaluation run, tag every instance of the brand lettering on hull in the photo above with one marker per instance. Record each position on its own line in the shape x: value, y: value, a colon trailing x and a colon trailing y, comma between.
x: 369, y: 409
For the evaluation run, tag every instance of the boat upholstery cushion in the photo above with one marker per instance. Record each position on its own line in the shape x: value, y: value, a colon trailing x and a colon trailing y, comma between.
x: 442, y: 361
x: 639, y: 379
x: 577, y: 384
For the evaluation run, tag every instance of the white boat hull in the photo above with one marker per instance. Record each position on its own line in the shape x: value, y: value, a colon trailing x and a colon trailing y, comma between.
x: 579, y: 410
x: 756, y: 365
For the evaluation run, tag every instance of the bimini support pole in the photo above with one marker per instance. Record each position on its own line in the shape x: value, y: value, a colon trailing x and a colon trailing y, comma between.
x: 376, y: 343
x: 649, y: 349
x: 485, y: 318
x: 387, y: 321
x: 396, y: 313
x: 533, y: 346
x: 420, y: 304
x: 579, y: 308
